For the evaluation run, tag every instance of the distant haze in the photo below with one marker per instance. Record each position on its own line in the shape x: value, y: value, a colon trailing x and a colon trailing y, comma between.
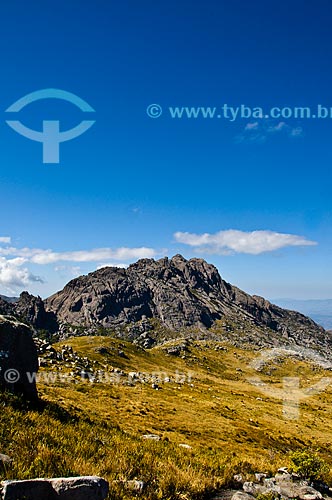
x: 319, y: 310
x: 9, y: 299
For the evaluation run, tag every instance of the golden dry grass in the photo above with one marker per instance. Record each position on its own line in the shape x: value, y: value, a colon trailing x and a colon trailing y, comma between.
x: 231, y: 426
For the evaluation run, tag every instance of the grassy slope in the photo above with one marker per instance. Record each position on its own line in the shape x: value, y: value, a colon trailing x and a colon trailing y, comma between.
x: 231, y: 426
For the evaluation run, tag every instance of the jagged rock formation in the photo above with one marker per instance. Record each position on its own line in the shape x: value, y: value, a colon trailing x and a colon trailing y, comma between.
x: 179, y: 293
x: 31, y: 310
x: 6, y: 307
x: 18, y: 357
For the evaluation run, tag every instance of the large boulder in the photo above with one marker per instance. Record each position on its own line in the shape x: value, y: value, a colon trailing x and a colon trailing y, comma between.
x: 70, y: 488
x: 18, y: 358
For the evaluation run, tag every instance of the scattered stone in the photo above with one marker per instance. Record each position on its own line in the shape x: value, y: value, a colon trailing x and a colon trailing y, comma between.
x: 5, y: 459
x: 86, y: 375
x: 153, y: 437
x: 282, y: 485
x: 309, y: 493
x: 260, y: 476
x: 241, y: 495
x: 134, y: 485
x: 71, y: 488
x: 288, y: 489
x: 238, y: 478
x: 254, y: 489
x: 186, y: 446
x: 173, y: 351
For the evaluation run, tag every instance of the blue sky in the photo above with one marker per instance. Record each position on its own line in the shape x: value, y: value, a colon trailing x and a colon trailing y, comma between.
x: 137, y: 186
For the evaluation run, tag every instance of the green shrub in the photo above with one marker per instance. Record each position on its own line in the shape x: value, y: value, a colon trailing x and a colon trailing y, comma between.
x: 308, y: 465
x: 270, y: 495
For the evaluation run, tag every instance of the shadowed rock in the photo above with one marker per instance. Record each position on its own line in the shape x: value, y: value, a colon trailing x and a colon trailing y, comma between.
x: 31, y: 309
x: 71, y: 488
x: 18, y: 358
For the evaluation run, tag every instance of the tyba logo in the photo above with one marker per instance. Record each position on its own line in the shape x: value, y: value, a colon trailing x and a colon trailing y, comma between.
x: 50, y: 137
x: 290, y: 393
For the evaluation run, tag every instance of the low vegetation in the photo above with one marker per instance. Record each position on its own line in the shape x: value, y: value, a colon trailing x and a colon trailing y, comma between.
x: 228, y: 426
x: 308, y: 465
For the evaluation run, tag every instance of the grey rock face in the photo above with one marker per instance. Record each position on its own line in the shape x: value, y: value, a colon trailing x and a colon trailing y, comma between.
x: 18, y: 357
x: 179, y: 293
x: 72, y: 488
x: 5, y: 307
x: 32, y: 310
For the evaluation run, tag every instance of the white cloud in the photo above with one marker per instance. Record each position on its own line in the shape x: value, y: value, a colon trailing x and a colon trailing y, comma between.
x: 14, y: 262
x: 64, y: 270
x: 260, y: 132
x: 13, y: 275
x: 251, y: 126
x: 113, y: 264
x: 234, y: 241
x: 5, y: 239
x: 39, y: 256
x: 297, y: 132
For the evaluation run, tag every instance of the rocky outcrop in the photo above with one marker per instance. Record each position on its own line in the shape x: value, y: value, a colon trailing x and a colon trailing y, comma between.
x: 71, y: 488
x: 31, y: 309
x: 6, y: 307
x: 283, y: 485
x: 179, y: 293
x: 18, y: 358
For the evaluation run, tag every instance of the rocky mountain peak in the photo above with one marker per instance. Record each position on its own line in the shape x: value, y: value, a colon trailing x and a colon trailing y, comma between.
x: 180, y: 294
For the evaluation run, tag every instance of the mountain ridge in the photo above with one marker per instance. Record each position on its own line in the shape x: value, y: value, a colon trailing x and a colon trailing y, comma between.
x: 155, y: 300
x: 181, y: 294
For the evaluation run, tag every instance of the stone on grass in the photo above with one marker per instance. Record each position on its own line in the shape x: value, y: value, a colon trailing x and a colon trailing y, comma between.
x: 69, y: 488
x: 152, y: 437
x: 241, y: 495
